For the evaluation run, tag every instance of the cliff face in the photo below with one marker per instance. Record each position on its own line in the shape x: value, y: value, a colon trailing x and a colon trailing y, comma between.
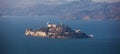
x: 35, y: 33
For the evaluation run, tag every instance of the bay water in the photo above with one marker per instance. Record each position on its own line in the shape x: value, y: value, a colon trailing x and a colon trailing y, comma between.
x: 13, y: 40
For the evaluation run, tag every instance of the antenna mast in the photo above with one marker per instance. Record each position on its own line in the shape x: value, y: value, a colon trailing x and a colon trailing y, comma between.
x: 61, y: 23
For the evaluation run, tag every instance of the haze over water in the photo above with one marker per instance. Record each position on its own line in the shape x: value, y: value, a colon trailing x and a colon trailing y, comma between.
x: 13, y: 40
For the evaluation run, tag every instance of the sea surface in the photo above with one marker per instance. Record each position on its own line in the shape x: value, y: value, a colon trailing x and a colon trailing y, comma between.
x: 13, y: 40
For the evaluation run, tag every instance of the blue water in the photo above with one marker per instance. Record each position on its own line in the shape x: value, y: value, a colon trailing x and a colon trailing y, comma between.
x: 13, y: 40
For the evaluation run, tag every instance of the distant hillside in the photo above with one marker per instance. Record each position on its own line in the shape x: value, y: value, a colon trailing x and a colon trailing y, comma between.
x: 85, y: 10
x: 98, y: 11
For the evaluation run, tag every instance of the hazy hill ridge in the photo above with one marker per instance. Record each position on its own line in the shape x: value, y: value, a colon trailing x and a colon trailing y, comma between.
x: 84, y: 9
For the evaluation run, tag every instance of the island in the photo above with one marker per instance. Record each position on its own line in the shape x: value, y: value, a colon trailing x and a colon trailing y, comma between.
x: 56, y: 31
